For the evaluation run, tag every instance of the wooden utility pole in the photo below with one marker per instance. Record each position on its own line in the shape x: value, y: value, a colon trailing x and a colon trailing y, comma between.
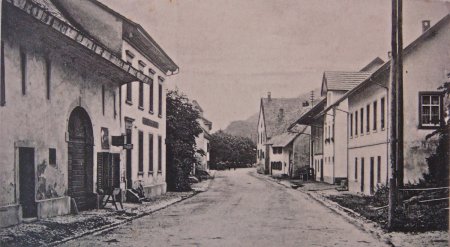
x: 396, y: 112
x: 400, y: 124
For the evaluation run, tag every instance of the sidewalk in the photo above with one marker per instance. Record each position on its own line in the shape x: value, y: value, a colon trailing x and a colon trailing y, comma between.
x: 319, y: 192
x: 56, y: 230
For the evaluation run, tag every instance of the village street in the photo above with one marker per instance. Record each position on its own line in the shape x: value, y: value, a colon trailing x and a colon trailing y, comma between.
x: 240, y: 208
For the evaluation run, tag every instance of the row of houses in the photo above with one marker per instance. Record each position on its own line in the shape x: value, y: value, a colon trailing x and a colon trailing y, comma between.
x: 82, y: 108
x: 349, y: 126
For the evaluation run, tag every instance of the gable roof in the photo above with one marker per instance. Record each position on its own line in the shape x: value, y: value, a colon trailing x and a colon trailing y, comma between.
x: 308, y: 117
x: 283, y: 139
x: 136, y: 34
x: 342, y: 80
x: 406, y: 51
x: 373, y: 65
x: 277, y: 122
x: 286, y: 138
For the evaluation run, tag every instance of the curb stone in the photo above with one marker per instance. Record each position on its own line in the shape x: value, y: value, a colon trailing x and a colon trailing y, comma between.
x: 349, y: 215
x: 112, y: 226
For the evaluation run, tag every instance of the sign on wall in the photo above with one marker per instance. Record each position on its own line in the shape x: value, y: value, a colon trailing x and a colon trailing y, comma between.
x: 105, y: 137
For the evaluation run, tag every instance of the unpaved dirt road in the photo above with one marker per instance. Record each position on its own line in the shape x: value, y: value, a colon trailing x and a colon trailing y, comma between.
x: 239, y: 209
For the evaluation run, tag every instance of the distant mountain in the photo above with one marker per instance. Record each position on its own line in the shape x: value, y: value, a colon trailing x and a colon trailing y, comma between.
x: 248, y: 127
x: 244, y: 128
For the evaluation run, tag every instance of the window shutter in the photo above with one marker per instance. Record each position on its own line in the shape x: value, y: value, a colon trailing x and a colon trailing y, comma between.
x: 100, y: 171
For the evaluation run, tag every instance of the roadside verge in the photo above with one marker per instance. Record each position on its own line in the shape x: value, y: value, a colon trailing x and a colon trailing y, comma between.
x: 60, y: 229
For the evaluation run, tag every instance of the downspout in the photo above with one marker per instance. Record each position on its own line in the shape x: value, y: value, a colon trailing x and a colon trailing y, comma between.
x: 334, y: 146
x: 348, y: 142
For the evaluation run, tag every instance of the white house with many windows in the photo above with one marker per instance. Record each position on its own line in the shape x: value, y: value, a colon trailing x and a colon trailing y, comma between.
x: 426, y: 66
x: 142, y: 103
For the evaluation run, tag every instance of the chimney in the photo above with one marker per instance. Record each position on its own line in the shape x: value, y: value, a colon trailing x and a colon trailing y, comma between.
x: 281, y: 114
x: 425, y: 25
x: 269, y: 96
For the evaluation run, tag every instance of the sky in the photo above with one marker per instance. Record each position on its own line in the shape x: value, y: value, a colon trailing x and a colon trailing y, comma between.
x: 232, y: 52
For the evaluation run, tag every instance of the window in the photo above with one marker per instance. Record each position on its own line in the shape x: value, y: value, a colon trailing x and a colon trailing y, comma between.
x: 379, y: 169
x: 368, y: 119
x: 2, y: 79
x: 48, y: 75
x: 141, y: 95
x: 23, y: 69
x: 129, y: 90
x: 160, y: 98
x: 141, y: 66
x: 141, y: 152
x: 375, y: 115
x: 382, y: 114
x: 114, y: 104
x: 103, y: 100
x: 351, y: 125
x: 332, y: 131
x: 430, y: 110
x: 356, y: 123
x: 277, y: 150
x: 362, y: 121
x: 129, y: 59
x: 150, y: 153
x: 356, y: 168
x: 159, y: 154
x: 52, y: 156
x: 151, y: 97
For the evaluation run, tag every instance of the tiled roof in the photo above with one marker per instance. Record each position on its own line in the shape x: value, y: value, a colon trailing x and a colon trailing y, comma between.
x: 282, y: 140
x: 406, y: 51
x: 343, y: 80
x: 308, y: 116
x: 277, y: 123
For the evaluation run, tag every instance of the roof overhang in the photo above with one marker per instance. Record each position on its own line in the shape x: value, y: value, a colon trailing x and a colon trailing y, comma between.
x: 47, y: 32
x: 308, y: 117
x: 137, y: 37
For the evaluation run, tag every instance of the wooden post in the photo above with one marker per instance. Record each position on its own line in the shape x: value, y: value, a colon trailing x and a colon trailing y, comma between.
x: 400, y: 156
x: 393, y: 119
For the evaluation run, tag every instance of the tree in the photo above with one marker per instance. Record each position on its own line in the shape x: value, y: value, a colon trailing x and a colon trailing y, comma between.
x: 229, y: 149
x: 182, y: 129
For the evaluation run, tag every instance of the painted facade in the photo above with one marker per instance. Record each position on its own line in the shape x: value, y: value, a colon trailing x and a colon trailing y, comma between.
x: 334, y: 85
x: 260, y: 146
x: 143, y: 119
x: 368, y: 166
x: 275, y: 117
x: 142, y: 102
x: 56, y: 114
x: 60, y: 115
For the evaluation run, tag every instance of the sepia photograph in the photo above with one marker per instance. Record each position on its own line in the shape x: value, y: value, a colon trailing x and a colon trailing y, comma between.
x: 224, y: 123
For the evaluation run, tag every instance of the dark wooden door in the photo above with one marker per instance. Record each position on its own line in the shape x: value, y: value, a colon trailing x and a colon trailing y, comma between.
x: 27, y: 183
x: 116, y: 170
x: 362, y: 175
x: 129, y: 160
x: 80, y: 158
x: 321, y: 170
x: 372, y: 177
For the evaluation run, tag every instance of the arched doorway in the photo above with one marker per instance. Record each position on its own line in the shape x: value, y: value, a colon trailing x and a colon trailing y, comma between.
x: 80, y: 159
